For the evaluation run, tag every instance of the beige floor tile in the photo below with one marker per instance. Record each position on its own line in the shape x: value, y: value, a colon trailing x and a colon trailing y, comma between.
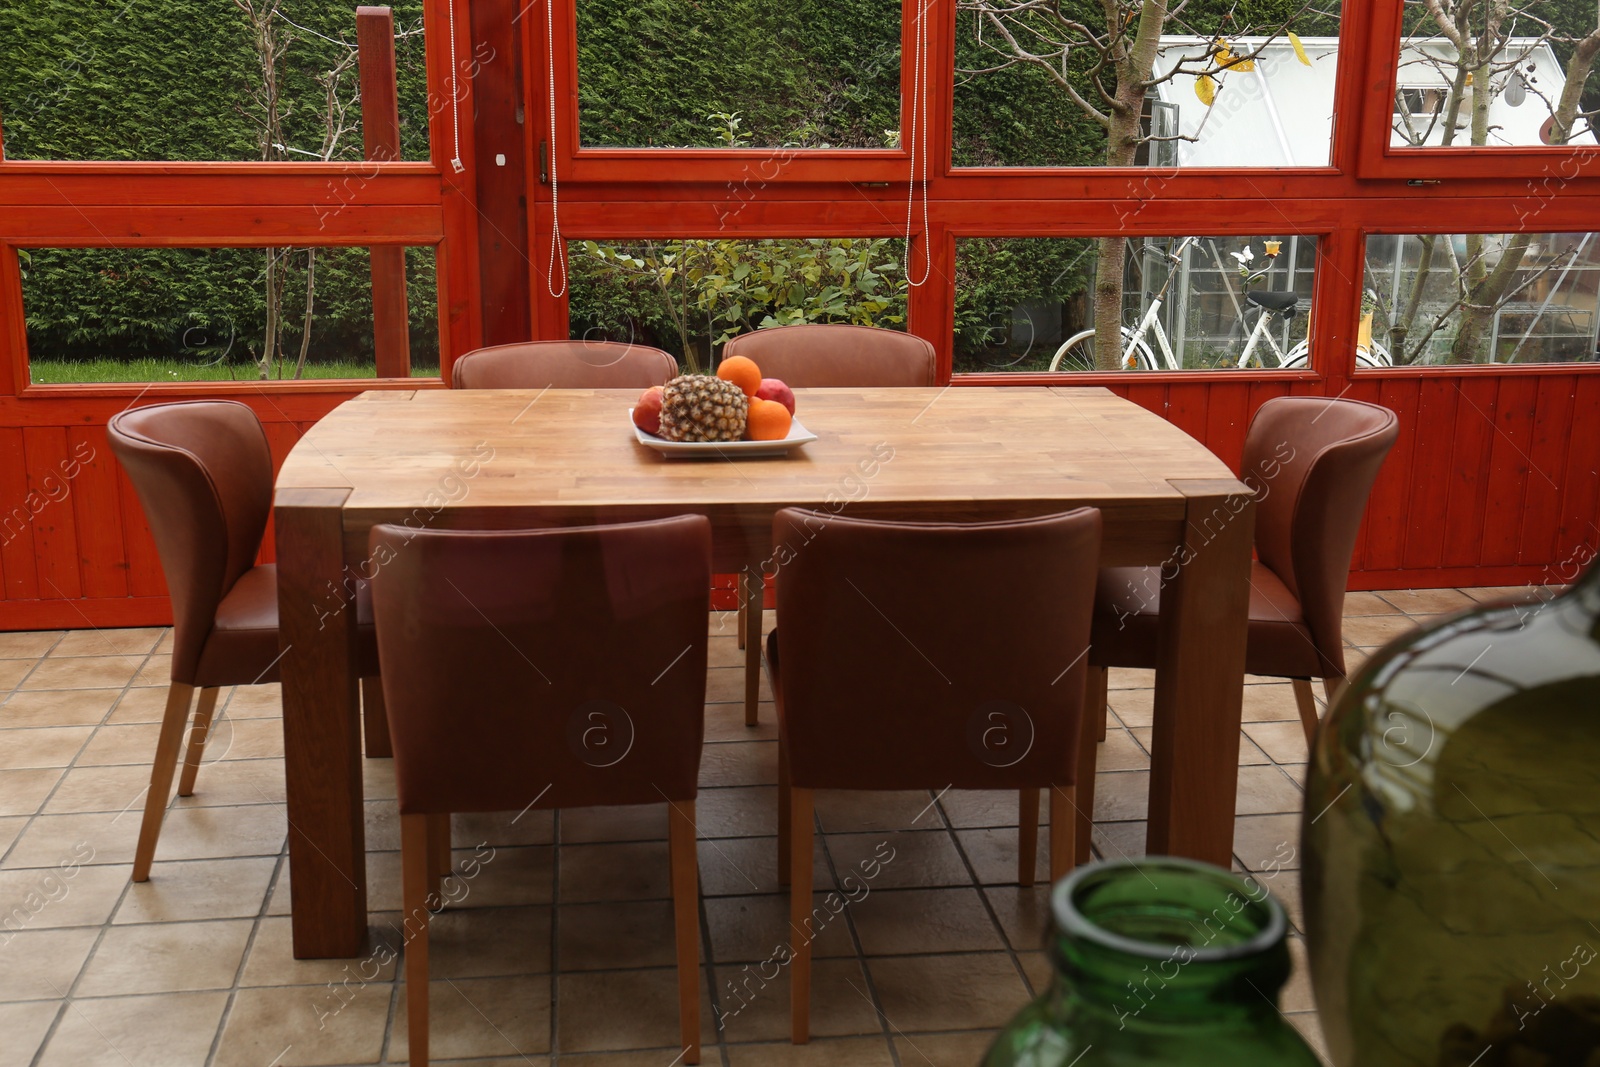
x: 725, y: 722
x: 118, y: 1031
x: 137, y: 704
x: 383, y: 826
x: 157, y: 670
x: 43, y: 964
x: 1266, y: 791
x: 57, y: 707
x: 101, y: 789
x: 10, y: 830
x: 1270, y: 702
x: 1267, y: 843
x: 63, y: 895
x: 237, y: 782
x: 726, y: 684
x: 1037, y: 968
x: 636, y: 870
x: 1297, y: 995
x: 724, y: 650
x: 902, y: 859
x: 739, y: 763
x: 636, y: 822
x: 967, y: 992
x: 1132, y: 707
x: 293, y: 1026
x: 1285, y: 742
x: 1121, y: 796
x: 24, y: 1026
x: 993, y: 855
x: 736, y: 866
x: 482, y: 1017
x: 1249, y: 753
x: 969, y: 808
x: 616, y: 936
x: 1517, y: 594
x: 195, y: 833
x: 99, y: 838
x: 852, y: 811
x: 271, y: 959
x: 502, y: 877
x: 236, y: 739
x: 1378, y: 629
x: 13, y: 671
x: 742, y: 811
x: 256, y: 701
x: 1119, y: 840
x: 131, y: 642
x: 44, y: 747
x: 906, y: 921
x: 1310, y: 1028
x: 165, y: 644
x: 1024, y: 914
x: 84, y: 672
x: 188, y: 891
x: 497, y: 942
x: 620, y: 1010
x: 165, y: 958
x: 1366, y: 604
x: 755, y: 1009
x: 755, y: 929
x: 1130, y: 678
x: 493, y: 828
x: 121, y: 745
x: 28, y: 644
x: 943, y: 1050
x: 824, y: 1052
x: 24, y: 792
x: 1284, y: 885
x: 1428, y: 601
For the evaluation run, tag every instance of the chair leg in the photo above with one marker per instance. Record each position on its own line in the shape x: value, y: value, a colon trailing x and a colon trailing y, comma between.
x: 1063, y: 831
x: 1307, y: 703
x: 801, y: 807
x: 1095, y: 711
x: 416, y: 871
x: 438, y: 854
x: 686, y: 922
x: 375, y: 719
x: 1099, y: 682
x: 739, y: 591
x: 784, y: 806
x: 198, y: 733
x: 173, y: 720
x: 1027, y: 835
x: 1332, y: 686
x: 750, y: 626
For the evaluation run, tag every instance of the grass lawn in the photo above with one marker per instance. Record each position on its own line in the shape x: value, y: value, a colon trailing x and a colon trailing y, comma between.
x: 57, y: 372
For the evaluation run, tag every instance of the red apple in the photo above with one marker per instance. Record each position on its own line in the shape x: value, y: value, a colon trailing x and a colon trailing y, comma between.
x: 647, y: 412
x: 773, y: 389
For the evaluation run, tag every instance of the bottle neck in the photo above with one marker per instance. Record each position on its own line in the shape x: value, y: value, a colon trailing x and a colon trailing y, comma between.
x: 1169, y: 943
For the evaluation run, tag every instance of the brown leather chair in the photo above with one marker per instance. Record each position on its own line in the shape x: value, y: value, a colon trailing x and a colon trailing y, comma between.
x: 564, y: 365
x: 838, y: 355
x: 544, y: 669
x: 927, y: 656
x: 203, y: 474
x: 1312, y: 462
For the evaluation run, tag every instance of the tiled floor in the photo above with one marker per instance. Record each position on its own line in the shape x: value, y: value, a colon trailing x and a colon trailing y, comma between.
x: 561, y: 948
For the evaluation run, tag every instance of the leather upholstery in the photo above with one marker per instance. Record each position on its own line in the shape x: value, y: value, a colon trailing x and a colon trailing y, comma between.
x: 1312, y: 463
x: 823, y: 355
x: 923, y: 655
x: 564, y: 365
x: 203, y: 474
x: 557, y: 668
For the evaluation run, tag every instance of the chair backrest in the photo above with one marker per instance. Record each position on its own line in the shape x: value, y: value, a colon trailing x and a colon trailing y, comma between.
x: 1312, y: 462
x: 559, y: 668
x: 203, y: 474
x: 921, y: 655
x: 823, y: 355
x: 564, y: 365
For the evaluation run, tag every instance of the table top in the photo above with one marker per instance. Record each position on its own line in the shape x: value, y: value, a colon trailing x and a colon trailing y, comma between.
x: 570, y: 456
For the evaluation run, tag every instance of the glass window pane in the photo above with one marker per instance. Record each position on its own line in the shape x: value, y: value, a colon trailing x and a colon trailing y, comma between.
x: 1484, y: 298
x: 1495, y: 75
x: 690, y: 296
x: 200, y: 314
x: 737, y: 74
x: 1194, y: 303
x: 1032, y: 85
x: 124, y: 81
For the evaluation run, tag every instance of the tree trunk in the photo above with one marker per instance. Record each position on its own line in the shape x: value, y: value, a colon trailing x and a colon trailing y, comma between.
x: 305, y: 323
x: 1484, y: 298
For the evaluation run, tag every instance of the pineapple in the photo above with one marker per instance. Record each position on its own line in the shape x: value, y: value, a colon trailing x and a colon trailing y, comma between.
x: 699, y: 408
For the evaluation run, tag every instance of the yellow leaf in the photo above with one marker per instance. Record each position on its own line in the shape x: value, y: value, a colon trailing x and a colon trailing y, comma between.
x: 1205, y: 87
x: 1242, y: 64
x: 1299, y: 49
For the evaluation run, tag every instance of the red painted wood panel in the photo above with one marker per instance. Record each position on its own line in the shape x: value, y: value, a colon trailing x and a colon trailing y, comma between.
x: 1186, y: 408
x: 145, y: 577
x: 1227, y: 417
x: 1508, y: 471
x: 102, y: 563
x: 1547, y: 461
x: 1385, y: 541
x: 1430, y: 493
x: 16, y: 519
x: 1580, y: 489
x: 55, y: 528
x: 1468, y: 471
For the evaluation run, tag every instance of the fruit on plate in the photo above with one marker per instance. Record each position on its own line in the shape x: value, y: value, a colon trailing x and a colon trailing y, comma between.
x: 768, y: 421
x: 695, y: 407
x: 773, y: 389
x: 742, y: 372
x: 647, y: 412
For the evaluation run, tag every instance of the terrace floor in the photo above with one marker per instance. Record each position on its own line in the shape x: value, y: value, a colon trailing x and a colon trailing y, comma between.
x: 560, y: 950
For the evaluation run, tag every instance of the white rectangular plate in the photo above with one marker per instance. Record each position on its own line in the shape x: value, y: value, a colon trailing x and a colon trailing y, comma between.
x: 798, y: 435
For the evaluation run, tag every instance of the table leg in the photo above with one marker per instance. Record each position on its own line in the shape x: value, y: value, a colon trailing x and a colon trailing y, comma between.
x: 1194, y: 766
x: 753, y: 588
x: 321, y: 727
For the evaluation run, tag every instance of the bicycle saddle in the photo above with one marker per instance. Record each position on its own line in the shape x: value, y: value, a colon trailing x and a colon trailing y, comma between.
x: 1284, y: 304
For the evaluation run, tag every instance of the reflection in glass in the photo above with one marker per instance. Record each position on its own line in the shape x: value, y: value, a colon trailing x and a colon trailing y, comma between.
x: 1484, y: 298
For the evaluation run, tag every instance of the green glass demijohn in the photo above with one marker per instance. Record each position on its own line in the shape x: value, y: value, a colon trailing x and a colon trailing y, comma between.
x: 1159, y: 961
x: 1452, y: 845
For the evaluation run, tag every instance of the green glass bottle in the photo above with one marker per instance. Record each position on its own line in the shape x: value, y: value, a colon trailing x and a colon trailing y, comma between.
x: 1159, y: 961
x: 1452, y: 844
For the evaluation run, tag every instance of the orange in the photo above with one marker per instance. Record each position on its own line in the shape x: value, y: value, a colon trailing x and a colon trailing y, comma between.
x: 768, y: 421
x: 741, y: 372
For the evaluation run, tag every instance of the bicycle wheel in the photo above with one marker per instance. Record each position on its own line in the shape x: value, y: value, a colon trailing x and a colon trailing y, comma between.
x: 1300, y: 357
x: 1077, y: 353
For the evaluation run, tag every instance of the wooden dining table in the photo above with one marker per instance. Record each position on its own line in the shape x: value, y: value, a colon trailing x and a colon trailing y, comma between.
x: 442, y: 459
